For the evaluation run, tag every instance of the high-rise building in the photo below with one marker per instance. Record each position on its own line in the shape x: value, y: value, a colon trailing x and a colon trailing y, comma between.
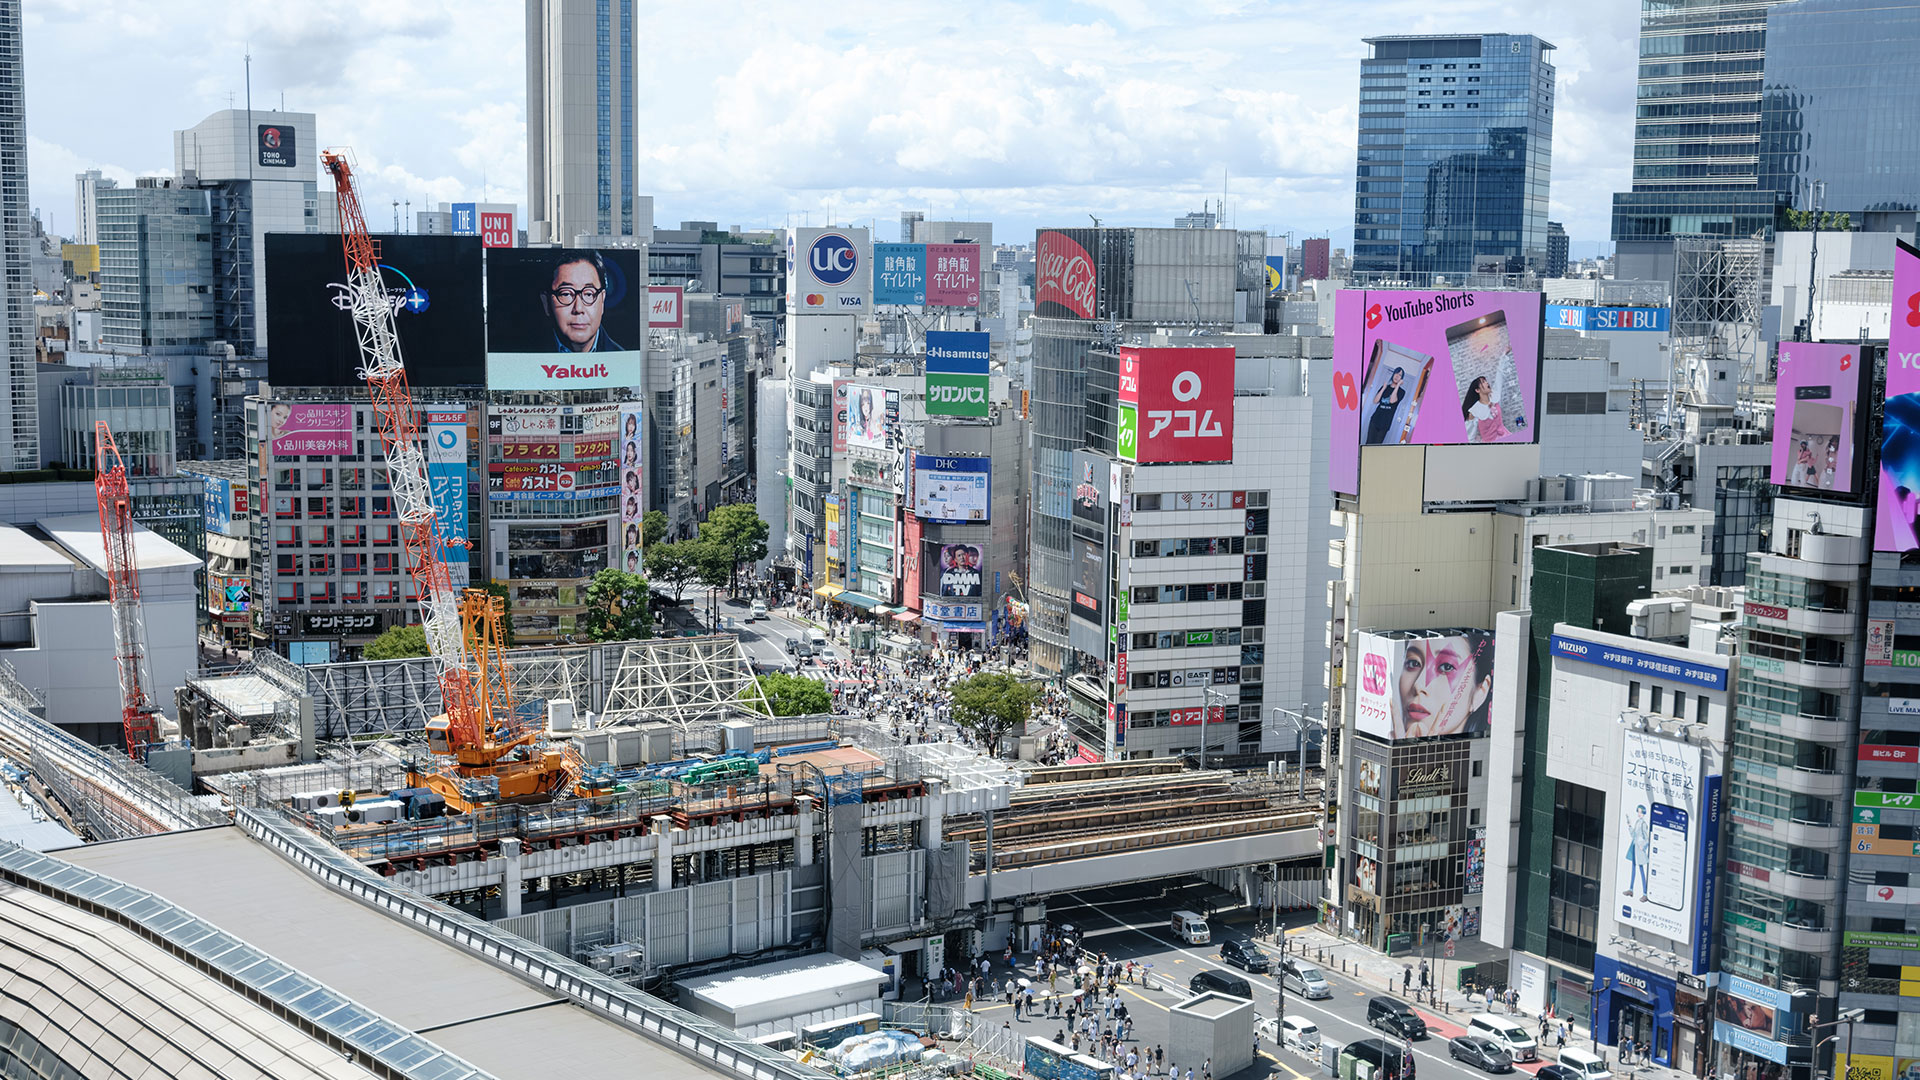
x: 1456, y: 154
x: 1696, y: 139
x: 1838, y: 109
x: 582, y: 120
x: 1557, y: 246
x: 86, y: 207
x: 1315, y: 259
x: 258, y: 169
x: 19, y: 434
x: 1093, y: 287
x: 156, y: 267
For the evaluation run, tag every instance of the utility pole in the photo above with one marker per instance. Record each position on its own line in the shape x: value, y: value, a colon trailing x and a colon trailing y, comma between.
x: 1817, y: 195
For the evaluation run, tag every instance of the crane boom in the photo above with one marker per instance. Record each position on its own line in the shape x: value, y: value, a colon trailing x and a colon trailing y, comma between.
x: 123, y: 594
x: 386, y: 379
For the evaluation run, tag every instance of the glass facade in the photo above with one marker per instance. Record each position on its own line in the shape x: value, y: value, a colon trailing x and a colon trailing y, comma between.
x: 1696, y: 138
x: 1840, y: 103
x: 1058, y: 404
x: 603, y: 116
x: 1742, y: 508
x: 1456, y: 154
x: 156, y: 268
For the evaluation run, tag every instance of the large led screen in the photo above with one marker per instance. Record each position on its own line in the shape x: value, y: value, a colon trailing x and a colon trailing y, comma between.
x: 1816, y: 416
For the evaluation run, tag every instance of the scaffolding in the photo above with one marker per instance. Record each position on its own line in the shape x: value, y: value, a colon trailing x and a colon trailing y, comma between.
x: 1716, y: 305
x: 684, y: 681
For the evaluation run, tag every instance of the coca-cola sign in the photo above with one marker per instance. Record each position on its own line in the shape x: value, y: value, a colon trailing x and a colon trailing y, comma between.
x: 1064, y: 275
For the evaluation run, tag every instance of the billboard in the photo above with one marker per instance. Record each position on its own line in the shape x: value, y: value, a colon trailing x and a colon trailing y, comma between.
x: 1176, y: 404
x: 866, y: 417
x: 1424, y: 368
x: 279, y: 148
x: 953, y: 275
x: 960, y: 571
x: 841, y: 391
x: 631, y: 438
x: 1089, y: 580
x: 911, y: 555
x: 666, y: 307
x: 957, y: 372
x: 221, y: 500
x: 1092, y: 483
x: 564, y: 319
x: 1421, y: 686
x: 899, y: 273
x: 1656, y: 869
x: 433, y: 286
x: 446, y: 430
x: 310, y: 429
x: 1590, y: 652
x: 465, y: 219
x: 1577, y: 317
x: 1276, y: 274
x: 831, y: 511
x: 496, y: 229
x: 1899, y: 504
x: 833, y: 277
x: 1065, y: 279
x: 953, y: 490
x: 1816, y: 405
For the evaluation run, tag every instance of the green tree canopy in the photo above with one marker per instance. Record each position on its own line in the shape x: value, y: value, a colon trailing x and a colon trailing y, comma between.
x: 653, y: 527
x: 680, y: 566
x: 738, y: 530
x: 617, y: 608
x: 993, y: 705
x: 792, y: 695
x: 398, y: 643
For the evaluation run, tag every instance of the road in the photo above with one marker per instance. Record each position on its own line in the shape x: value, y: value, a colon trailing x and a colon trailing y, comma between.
x: 764, y: 639
x: 1127, y: 926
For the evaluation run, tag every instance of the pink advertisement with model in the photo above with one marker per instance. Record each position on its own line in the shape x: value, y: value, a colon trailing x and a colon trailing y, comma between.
x: 1816, y: 410
x: 1444, y: 368
x: 1898, y: 527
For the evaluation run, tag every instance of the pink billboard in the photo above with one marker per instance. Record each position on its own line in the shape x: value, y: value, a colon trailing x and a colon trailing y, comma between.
x: 1816, y: 411
x: 1420, y: 368
x: 953, y: 275
x: 1898, y: 527
x: 310, y: 429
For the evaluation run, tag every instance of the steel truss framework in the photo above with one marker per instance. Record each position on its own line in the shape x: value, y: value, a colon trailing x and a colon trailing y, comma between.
x: 1716, y: 300
x: 684, y: 681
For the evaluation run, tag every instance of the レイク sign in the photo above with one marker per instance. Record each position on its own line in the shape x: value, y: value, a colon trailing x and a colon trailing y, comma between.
x: 1181, y: 404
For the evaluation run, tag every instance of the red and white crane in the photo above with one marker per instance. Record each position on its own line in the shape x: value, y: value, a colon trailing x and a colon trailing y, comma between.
x: 139, y: 717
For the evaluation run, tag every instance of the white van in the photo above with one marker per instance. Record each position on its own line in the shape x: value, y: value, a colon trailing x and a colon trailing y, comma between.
x: 1191, y: 928
x: 1592, y: 1066
x: 817, y: 638
x: 1508, y: 1034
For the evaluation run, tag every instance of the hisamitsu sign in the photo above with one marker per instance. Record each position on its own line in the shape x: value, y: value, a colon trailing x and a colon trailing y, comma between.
x: 1713, y: 678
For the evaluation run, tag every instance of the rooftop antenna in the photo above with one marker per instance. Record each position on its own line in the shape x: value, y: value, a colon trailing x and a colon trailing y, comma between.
x: 396, y: 215
x: 1096, y: 221
x: 250, y: 157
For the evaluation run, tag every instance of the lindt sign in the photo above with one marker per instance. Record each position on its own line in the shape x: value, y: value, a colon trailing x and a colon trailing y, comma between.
x: 1065, y: 275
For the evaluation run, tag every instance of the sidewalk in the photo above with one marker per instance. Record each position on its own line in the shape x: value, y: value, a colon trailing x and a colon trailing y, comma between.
x: 1447, y: 1018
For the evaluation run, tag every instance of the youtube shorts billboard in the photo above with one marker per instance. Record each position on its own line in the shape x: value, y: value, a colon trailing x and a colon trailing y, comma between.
x: 1816, y: 409
x: 1427, y: 368
x: 565, y: 319
x: 1898, y: 524
x: 1176, y: 404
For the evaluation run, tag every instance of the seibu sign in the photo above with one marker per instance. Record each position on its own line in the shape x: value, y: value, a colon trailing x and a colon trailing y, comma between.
x: 1176, y: 404
x: 1064, y: 275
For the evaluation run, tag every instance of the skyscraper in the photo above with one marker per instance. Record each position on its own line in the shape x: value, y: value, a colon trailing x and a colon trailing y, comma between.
x: 1696, y: 136
x: 1839, y: 106
x: 19, y: 430
x: 582, y: 157
x: 1456, y: 154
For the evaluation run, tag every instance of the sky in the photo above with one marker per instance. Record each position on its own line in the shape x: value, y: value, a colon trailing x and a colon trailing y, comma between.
x: 775, y: 113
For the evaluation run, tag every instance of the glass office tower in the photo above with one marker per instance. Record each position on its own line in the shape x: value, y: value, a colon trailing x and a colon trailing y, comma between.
x: 1456, y: 153
x: 1839, y: 106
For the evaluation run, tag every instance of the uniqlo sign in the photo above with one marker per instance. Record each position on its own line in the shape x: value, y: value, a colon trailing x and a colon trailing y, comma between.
x: 496, y: 230
x: 1176, y: 404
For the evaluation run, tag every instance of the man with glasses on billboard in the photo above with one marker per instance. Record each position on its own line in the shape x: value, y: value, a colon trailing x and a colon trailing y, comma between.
x: 576, y: 297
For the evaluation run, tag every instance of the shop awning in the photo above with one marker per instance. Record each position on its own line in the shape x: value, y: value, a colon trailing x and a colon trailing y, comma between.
x: 829, y: 591
x: 882, y: 609
x: 906, y: 616
x: 860, y: 600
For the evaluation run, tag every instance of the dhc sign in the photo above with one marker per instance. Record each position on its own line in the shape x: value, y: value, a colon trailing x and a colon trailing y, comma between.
x: 1576, y: 317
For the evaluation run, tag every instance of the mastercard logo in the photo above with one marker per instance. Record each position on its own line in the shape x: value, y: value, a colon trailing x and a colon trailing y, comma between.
x: 814, y: 299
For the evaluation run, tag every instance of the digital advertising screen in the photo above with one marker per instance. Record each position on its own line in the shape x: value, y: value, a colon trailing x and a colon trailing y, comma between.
x: 1898, y: 525
x: 959, y: 573
x: 1816, y: 416
x: 866, y: 417
x: 952, y: 490
x: 1089, y: 580
x: 1423, y: 368
x: 565, y: 319
x: 1417, y: 687
x: 433, y: 286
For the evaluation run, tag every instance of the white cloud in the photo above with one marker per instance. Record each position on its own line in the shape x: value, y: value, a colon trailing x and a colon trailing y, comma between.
x: 1014, y: 112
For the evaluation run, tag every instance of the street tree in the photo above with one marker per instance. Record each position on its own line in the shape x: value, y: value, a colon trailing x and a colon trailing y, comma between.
x: 993, y: 705
x: 398, y: 643
x: 738, y: 529
x: 617, y: 607
x: 793, y: 695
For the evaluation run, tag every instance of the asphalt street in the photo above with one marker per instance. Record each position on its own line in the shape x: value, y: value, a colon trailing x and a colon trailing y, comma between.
x: 1130, y: 927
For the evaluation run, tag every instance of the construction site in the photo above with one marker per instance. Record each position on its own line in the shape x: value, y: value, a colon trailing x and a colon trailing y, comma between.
x: 625, y: 827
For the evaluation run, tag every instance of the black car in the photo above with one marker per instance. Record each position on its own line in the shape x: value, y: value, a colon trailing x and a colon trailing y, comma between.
x: 1481, y: 1053
x: 1396, y: 1017
x: 1220, y: 982
x: 793, y: 646
x: 1560, y: 1072
x: 1245, y: 955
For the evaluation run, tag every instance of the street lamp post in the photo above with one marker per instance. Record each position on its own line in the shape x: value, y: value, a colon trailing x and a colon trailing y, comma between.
x: 1593, y: 1013
x: 1848, y: 1018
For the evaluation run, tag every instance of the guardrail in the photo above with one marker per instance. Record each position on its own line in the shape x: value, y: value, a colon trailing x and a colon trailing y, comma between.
x: 634, y: 1009
x: 143, y: 790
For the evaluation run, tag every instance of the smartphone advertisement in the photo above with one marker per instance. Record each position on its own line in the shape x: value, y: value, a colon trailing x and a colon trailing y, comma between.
x: 1432, y: 369
x: 1817, y: 407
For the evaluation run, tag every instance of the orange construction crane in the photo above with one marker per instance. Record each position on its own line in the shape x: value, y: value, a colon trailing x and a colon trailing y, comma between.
x: 138, y: 714
x: 478, y: 730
